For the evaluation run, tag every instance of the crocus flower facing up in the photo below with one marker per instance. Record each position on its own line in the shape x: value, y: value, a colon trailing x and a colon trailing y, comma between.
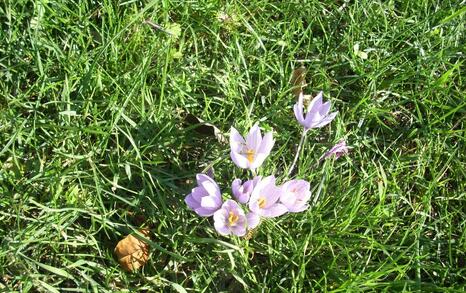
x: 242, y: 192
x: 250, y: 153
x: 295, y: 196
x: 317, y: 114
x: 230, y: 219
x: 264, y: 199
x: 338, y: 150
x: 206, y: 198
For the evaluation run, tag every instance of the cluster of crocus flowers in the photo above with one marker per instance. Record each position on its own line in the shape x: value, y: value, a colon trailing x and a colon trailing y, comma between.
x: 258, y: 197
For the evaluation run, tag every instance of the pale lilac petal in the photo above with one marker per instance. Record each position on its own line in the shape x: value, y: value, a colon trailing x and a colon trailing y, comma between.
x: 235, y: 188
x: 211, y: 188
x: 239, y: 230
x: 198, y: 192
x: 254, y: 206
x: 200, y: 178
x: 312, y: 118
x: 221, y: 216
x: 210, y: 202
x: 261, y: 183
x: 239, y: 160
x: 253, y: 220
x: 297, y: 112
x: 237, y: 142
x: 204, y: 212
x: 323, y: 111
x: 327, y: 120
x: 275, y: 210
x: 254, y: 138
x: 298, y: 108
x: 267, y: 143
x: 316, y: 103
x: 191, y: 202
x: 222, y: 228
x: 271, y: 194
x: 298, y: 209
x: 258, y: 160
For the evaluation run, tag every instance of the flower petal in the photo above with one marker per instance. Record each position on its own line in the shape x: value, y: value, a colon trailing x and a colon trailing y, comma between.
x: 258, y: 160
x: 222, y: 228
x: 211, y: 188
x: 316, y: 103
x: 239, y: 160
x: 240, y: 229
x: 326, y: 120
x: 275, y: 210
x: 253, y: 220
x: 191, y: 202
x: 323, y: 111
x: 204, y: 212
x: 211, y: 202
x: 254, y: 138
x: 267, y: 143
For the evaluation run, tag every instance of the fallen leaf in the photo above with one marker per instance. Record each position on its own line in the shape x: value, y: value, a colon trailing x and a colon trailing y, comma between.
x: 298, y: 80
x: 205, y: 128
x: 132, y: 253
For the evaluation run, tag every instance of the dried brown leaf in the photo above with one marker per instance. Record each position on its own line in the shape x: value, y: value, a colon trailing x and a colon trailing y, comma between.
x: 205, y: 128
x: 298, y: 80
x: 132, y: 253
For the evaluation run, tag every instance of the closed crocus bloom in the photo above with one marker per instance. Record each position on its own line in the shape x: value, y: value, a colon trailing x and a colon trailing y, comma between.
x: 295, y: 196
x: 230, y: 219
x: 264, y: 199
x: 250, y: 153
x: 206, y: 198
x: 242, y: 192
x: 338, y: 150
x: 317, y: 114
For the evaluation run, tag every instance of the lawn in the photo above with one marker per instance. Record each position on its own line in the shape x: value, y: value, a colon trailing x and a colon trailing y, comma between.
x: 97, y: 140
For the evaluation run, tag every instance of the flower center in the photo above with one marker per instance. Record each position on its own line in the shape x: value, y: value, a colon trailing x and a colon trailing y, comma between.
x: 261, y: 202
x: 232, y: 218
x: 250, y: 155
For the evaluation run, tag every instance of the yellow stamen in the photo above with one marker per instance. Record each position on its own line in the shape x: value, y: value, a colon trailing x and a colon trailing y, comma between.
x: 233, y: 218
x: 261, y: 202
x: 250, y: 155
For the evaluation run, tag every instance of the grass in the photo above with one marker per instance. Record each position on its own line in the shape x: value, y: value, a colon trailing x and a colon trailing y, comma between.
x: 93, y: 143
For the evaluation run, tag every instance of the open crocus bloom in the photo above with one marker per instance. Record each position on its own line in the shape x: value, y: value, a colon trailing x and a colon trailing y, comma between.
x: 264, y: 199
x: 206, y: 198
x: 243, y: 191
x: 250, y: 153
x: 317, y: 114
x: 338, y: 150
x: 230, y: 219
x: 296, y: 194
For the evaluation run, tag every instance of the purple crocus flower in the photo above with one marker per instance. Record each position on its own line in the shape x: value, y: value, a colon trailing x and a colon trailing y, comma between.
x: 296, y: 194
x: 250, y: 153
x: 206, y: 198
x: 338, y: 150
x: 230, y: 219
x: 264, y: 199
x: 317, y: 114
x: 243, y: 191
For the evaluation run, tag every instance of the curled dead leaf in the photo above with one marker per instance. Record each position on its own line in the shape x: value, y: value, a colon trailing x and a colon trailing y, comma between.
x: 298, y: 80
x: 205, y: 128
x: 132, y: 253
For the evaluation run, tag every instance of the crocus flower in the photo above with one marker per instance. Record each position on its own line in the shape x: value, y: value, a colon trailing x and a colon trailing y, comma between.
x: 264, y: 199
x: 253, y: 220
x: 338, y: 150
x: 296, y: 194
x: 230, y: 219
x: 206, y: 198
x: 243, y: 191
x: 250, y: 153
x: 317, y: 114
